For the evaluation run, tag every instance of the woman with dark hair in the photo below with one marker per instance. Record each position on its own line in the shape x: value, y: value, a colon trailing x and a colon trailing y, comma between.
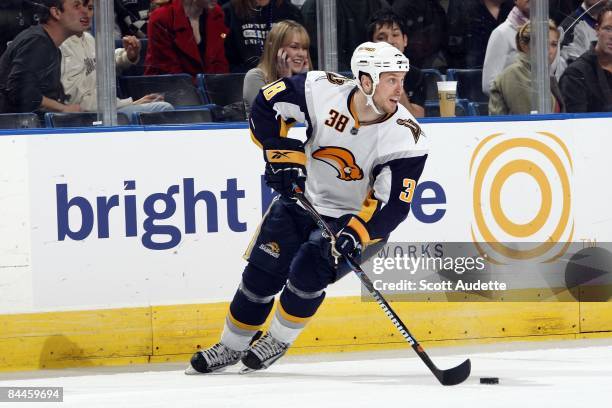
x: 249, y: 22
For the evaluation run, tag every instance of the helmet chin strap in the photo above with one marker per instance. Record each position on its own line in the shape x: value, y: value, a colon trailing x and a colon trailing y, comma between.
x: 371, y: 104
x: 370, y: 98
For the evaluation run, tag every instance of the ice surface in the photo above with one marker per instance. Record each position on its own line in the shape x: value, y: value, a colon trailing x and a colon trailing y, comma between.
x: 560, y: 374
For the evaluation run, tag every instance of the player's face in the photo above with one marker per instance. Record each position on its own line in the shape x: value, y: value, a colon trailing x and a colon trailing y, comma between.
x: 71, y: 19
x: 389, y: 90
x: 297, y: 53
x: 604, y: 35
x: 392, y: 35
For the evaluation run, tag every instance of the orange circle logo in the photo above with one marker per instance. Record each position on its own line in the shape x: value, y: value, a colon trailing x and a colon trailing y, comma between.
x: 544, y: 158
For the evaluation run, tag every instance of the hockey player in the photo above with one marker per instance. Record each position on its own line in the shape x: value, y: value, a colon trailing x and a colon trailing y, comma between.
x: 363, y: 154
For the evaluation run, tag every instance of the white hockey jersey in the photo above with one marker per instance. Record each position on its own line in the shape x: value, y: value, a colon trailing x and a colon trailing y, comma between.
x: 369, y: 170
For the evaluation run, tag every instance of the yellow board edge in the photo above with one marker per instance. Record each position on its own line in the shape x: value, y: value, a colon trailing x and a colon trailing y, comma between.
x: 343, y: 324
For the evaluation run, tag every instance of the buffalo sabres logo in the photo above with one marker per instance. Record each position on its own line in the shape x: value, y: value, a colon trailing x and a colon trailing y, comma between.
x: 271, y: 248
x: 340, y: 159
x: 336, y: 79
x: 413, y: 126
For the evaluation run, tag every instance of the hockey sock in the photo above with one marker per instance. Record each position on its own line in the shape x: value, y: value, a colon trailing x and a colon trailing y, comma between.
x: 294, y: 310
x: 248, y: 312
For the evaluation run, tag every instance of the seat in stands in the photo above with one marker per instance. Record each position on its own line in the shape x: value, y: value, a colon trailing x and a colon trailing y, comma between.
x: 80, y: 119
x: 19, y: 121
x: 177, y: 89
x: 469, y: 84
x: 176, y: 117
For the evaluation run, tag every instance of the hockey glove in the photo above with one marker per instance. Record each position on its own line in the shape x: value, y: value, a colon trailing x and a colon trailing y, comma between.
x: 285, y: 165
x: 351, y: 238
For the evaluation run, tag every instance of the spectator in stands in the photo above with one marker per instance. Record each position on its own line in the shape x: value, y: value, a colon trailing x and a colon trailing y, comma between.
x: 387, y: 26
x: 30, y: 68
x: 501, y: 49
x: 249, y: 22
x: 587, y: 82
x: 470, y: 24
x: 79, y: 71
x: 427, y: 29
x: 511, y: 90
x: 352, y: 18
x: 186, y: 36
x: 560, y: 9
x: 15, y: 16
x: 131, y: 18
x: 285, y: 54
x: 579, y: 30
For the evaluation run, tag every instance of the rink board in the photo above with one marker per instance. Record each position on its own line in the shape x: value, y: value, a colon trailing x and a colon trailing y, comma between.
x: 343, y: 324
x: 85, y: 281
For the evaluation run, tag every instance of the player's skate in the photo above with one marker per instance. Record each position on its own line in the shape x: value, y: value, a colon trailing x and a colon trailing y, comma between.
x: 215, y: 358
x: 263, y: 354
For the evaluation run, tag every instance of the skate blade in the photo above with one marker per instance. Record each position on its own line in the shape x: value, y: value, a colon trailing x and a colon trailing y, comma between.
x: 192, y: 371
x: 247, y: 370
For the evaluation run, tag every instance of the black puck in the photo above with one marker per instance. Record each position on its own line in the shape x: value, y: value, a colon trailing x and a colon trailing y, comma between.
x: 489, y: 380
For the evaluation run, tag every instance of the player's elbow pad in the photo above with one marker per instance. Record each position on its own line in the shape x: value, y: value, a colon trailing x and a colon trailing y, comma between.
x: 397, y: 212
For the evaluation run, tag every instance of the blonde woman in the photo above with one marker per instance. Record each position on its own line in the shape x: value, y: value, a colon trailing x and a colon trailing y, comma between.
x: 285, y: 53
x: 511, y: 90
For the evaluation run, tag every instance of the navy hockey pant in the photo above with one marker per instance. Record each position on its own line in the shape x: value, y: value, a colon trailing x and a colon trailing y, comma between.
x: 288, y: 253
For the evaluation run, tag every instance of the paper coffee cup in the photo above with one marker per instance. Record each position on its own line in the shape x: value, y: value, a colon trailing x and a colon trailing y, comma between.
x: 447, y: 93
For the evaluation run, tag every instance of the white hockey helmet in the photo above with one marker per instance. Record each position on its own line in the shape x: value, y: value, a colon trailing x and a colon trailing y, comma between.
x: 373, y: 59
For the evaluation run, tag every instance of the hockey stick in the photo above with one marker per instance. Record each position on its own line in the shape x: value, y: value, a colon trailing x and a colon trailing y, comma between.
x: 452, y: 376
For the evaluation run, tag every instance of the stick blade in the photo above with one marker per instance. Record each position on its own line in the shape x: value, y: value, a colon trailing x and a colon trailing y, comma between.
x: 455, y: 375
